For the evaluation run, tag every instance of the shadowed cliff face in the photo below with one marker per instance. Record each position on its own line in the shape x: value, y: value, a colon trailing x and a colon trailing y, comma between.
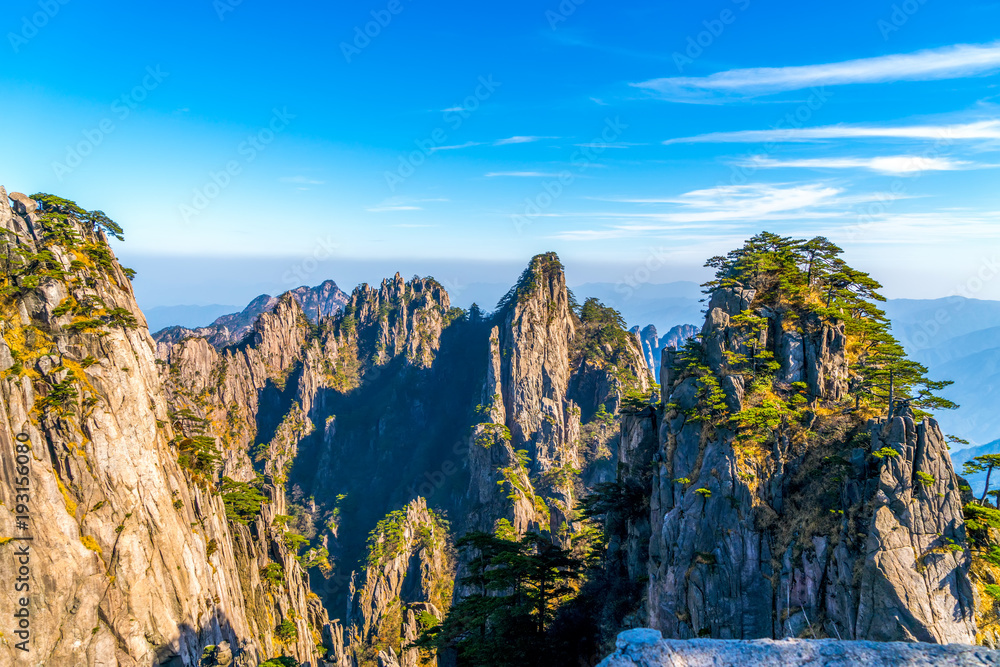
x: 400, y: 398
x: 131, y: 550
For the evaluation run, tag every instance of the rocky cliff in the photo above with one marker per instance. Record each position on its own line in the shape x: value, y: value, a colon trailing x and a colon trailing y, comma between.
x: 653, y: 345
x: 406, y: 586
x: 132, y: 558
x: 228, y: 493
x: 401, y: 398
x: 553, y: 381
x: 778, y: 508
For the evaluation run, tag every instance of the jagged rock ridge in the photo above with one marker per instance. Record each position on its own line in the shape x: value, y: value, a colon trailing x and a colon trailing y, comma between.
x: 653, y: 345
x: 316, y: 302
x: 399, y: 365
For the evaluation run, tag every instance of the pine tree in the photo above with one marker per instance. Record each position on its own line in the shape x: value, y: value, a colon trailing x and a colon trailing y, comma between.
x: 517, y: 587
x: 811, y: 276
x: 885, y: 375
x: 985, y: 463
x: 819, y: 254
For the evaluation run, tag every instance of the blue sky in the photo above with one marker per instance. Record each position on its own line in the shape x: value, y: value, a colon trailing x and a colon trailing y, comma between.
x: 655, y: 134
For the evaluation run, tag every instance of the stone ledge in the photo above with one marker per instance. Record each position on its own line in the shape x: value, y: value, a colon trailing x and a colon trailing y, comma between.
x: 646, y: 648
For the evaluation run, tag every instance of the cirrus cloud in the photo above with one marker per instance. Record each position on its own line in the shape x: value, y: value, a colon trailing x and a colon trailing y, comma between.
x: 960, y: 60
x: 986, y: 129
x: 888, y: 164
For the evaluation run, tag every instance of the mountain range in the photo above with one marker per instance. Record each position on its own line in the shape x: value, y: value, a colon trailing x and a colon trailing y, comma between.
x: 955, y: 337
x: 302, y: 481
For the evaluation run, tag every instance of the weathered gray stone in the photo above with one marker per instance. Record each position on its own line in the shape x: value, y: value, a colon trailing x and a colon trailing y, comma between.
x: 826, y: 359
x: 731, y: 300
x: 23, y: 204
x: 791, y: 356
x: 6, y: 214
x: 898, y: 573
x: 135, y: 560
x: 411, y: 578
x: 6, y: 358
x: 645, y: 648
x: 667, y: 372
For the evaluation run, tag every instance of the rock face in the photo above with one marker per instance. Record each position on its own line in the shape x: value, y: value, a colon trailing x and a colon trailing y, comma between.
x: 133, y: 561
x: 650, y: 342
x: 781, y: 536
x: 372, y: 409
x: 648, y: 649
x: 653, y: 347
x: 323, y: 300
x: 677, y: 336
x: 409, y: 575
x: 543, y: 384
x: 914, y: 586
x: 207, y: 499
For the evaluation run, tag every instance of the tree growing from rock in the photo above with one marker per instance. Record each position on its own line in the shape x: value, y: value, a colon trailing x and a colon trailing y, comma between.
x: 517, y: 586
x: 985, y: 463
x: 808, y: 277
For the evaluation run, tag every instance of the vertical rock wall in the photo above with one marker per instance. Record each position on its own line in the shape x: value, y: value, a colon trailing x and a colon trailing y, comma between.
x: 813, y: 538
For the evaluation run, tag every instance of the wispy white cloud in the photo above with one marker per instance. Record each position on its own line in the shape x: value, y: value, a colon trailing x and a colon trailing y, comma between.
x: 386, y: 209
x: 986, y: 129
x: 939, y: 227
x: 722, y: 209
x: 467, y: 144
x: 520, y: 140
x: 300, y: 180
x: 616, y: 144
x: 715, y: 209
x: 888, y: 164
x: 522, y: 174
x: 961, y: 60
x: 403, y: 204
x: 749, y: 202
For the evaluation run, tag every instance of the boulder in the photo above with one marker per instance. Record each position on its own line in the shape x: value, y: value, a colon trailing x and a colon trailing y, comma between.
x: 731, y: 300
x: 23, y: 204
